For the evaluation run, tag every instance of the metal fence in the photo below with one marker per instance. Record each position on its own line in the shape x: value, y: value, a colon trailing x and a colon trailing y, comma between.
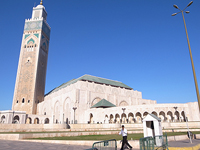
x: 151, y: 143
x: 105, y: 145
x: 161, y: 142
x: 147, y: 143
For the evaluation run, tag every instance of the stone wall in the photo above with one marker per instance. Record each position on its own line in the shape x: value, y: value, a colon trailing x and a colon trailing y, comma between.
x: 86, y: 127
x: 30, y: 127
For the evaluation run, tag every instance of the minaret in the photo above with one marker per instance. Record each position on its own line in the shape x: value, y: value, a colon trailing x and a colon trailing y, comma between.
x: 32, y: 66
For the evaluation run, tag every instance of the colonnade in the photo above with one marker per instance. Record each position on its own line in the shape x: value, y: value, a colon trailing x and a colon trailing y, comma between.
x: 137, y: 117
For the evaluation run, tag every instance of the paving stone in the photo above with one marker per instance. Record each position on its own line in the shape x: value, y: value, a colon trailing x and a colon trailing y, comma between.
x: 20, y: 145
x: 184, y: 143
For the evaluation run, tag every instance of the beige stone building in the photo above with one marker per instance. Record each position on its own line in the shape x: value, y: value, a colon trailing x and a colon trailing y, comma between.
x: 91, y: 99
x: 85, y: 100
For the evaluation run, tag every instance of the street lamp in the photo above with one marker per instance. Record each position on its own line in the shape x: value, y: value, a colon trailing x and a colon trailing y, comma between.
x: 187, y: 126
x: 194, y: 74
x: 186, y: 123
x: 74, y: 108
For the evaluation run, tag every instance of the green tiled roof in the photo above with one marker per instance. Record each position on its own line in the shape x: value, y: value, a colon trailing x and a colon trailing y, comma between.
x: 103, y: 104
x: 154, y: 116
x: 91, y: 79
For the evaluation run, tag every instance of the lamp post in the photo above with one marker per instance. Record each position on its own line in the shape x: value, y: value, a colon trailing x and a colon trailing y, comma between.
x: 194, y: 74
x: 74, y: 108
x: 187, y: 126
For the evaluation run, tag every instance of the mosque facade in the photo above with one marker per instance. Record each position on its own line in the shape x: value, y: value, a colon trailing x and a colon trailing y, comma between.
x: 85, y: 100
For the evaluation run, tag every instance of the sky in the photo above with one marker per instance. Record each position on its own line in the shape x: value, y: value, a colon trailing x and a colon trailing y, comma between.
x: 136, y: 42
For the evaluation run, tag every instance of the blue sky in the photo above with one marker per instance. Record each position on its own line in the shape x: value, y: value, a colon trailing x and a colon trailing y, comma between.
x: 136, y: 42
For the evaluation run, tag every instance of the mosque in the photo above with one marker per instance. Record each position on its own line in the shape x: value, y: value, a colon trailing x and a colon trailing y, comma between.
x: 85, y: 100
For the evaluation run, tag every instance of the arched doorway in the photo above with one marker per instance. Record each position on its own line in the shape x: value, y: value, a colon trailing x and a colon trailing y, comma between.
x: 130, y: 118
x: 183, y: 118
x: 111, y: 119
x: 176, y: 115
x: 28, y: 120
x: 145, y: 114
x: 155, y: 113
x: 66, y: 110
x: 36, y: 121
x: 16, y: 119
x: 57, y: 112
x: 3, y: 119
x: 117, y: 118
x: 162, y: 116
x: 138, y: 117
x: 123, y: 117
x: 46, y: 121
x: 169, y: 116
x: 106, y: 119
x: 91, y: 118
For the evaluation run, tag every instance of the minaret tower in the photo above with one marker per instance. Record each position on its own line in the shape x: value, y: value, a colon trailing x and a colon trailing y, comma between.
x: 32, y: 66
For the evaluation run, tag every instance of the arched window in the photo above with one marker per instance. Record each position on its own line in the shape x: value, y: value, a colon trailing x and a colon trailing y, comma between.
x: 130, y: 118
x: 23, y: 100
x: 46, y: 121
x: 138, y: 117
x: 28, y: 120
x: 117, y: 118
x: 169, y: 116
x: 36, y: 121
x: 16, y: 119
x: 111, y: 119
x: 3, y: 119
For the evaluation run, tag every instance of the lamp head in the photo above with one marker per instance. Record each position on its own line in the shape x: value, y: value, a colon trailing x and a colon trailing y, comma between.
x: 189, y: 3
x: 175, y: 6
x: 174, y: 14
x: 187, y: 12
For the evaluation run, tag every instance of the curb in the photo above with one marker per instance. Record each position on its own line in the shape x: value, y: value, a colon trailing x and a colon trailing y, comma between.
x: 185, y: 148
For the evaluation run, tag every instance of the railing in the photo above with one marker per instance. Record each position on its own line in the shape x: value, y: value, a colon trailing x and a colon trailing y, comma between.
x: 151, y: 143
x: 161, y: 141
x: 105, y: 145
x: 147, y: 143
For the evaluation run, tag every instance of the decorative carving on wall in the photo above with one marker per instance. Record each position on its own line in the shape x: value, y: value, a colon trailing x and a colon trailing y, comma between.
x: 123, y: 103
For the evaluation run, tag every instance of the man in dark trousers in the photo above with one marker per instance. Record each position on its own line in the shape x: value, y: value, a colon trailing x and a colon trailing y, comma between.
x: 123, y: 132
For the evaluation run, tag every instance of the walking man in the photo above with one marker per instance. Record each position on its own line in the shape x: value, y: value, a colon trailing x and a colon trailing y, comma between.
x: 123, y: 132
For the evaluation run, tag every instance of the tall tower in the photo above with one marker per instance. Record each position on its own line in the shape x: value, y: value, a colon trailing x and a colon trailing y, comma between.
x: 31, y: 73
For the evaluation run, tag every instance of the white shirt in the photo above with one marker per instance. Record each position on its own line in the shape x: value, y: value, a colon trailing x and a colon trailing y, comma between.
x: 123, y: 132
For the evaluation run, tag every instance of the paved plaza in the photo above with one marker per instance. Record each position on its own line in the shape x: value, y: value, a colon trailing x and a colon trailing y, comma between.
x: 20, y: 145
x: 184, y: 143
x: 24, y: 145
